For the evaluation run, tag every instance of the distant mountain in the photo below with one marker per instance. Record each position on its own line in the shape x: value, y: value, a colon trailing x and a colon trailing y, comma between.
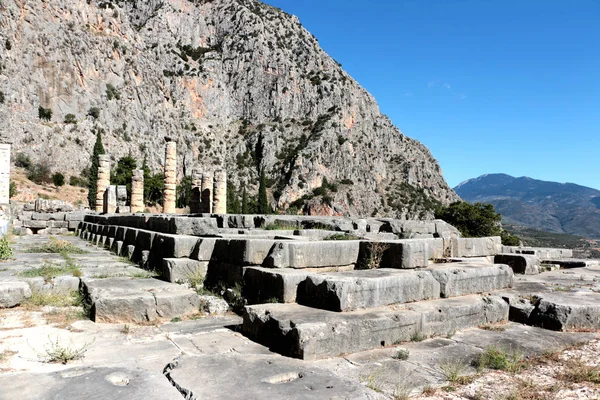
x: 550, y: 206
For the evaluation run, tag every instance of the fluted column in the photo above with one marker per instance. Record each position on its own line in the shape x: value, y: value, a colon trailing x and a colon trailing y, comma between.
x: 220, y: 193
x: 170, y: 178
x: 103, y: 180
x: 137, y: 191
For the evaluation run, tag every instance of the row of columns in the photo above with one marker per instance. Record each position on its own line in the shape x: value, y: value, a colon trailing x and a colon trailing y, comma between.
x: 209, y: 192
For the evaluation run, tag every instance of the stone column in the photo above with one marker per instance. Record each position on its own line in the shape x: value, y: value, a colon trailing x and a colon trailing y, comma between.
x: 4, y: 174
x: 220, y: 193
x: 196, y: 196
x: 207, y: 194
x: 170, y: 178
x: 137, y: 191
x: 110, y: 200
x: 103, y: 180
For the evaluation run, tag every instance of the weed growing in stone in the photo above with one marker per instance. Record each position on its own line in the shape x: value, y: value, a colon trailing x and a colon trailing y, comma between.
x: 401, y: 354
x: 418, y: 337
x: 342, y: 236
x: 56, y: 352
x: 57, y: 246
x: 51, y: 271
x: 125, y: 329
x: 6, y: 251
x: 373, y: 255
x: 41, y: 299
x: 500, y: 359
x: 577, y: 371
x: 453, y: 370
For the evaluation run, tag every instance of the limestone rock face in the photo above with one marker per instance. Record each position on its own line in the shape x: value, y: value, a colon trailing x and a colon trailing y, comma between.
x: 239, y: 85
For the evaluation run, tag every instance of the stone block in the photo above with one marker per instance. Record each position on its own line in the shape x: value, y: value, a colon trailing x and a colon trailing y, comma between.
x: 262, y: 285
x: 193, y: 226
x: 476, y: 247
x: 174, y: 246
x: 75, y: 216
x: 38, y: 216
x: 299, y: 254
x: 566, y: 311
x: 72, y: 225
x: 352, y: 290
x: 242, y: 251
x: 13, y: 293
x: 520, y: 263
x: 119, y: 300
x: 183, y: 270
x: 458, y: 279
x: 58, y: 224
x: 203, y: 251
x: 35, y: 224
x: 307, y: 333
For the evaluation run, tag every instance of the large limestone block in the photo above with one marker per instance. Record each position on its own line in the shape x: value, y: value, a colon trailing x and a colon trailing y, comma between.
x: 299, y: 254
x: 307, y: 333
x: 203, y: 251
x: 563, y: 311
x: 262, y: 285
x: 476, y: 247
x: 13, y: 293
x: 242, y: 251
x: 520, y: 263
x: 194, y: 226
x: 174, y: 246
x: 352, y: 290
x: 121, y: 300
x: 183, y: 270
x: 458, y: 279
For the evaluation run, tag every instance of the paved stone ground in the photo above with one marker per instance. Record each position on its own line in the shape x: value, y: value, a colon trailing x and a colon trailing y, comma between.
x: 205, y: 357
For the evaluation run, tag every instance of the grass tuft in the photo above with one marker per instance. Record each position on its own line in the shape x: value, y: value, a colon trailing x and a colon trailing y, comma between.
x: 500, y: 359
x: 56, y: 352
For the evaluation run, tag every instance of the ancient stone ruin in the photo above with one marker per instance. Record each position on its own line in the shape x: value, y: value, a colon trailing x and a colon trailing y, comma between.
x: 316, y: 289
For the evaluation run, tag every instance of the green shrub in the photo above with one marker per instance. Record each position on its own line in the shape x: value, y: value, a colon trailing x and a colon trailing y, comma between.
x: 112, y: 92
x: 58, y: 179
x: 347, y: 182
x: 476, y: 220
x: 44, y: 113
x: 5, y: 249
x: 12, y: 190
x: 80, y: 181
x: 22, y: 161
x: 2, y: 97
x: 94, y: 112
x: 40, y: 173
x: 70, y: 119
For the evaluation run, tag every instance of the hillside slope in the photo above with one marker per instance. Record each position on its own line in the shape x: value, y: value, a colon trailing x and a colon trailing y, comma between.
x: 238, y: 84
x: 551, y: 206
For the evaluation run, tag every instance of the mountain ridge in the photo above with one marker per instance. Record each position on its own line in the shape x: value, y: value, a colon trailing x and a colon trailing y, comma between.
x: 551, y: 206
x: 240, y: 85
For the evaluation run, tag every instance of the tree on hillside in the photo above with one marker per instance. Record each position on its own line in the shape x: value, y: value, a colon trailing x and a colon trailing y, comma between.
x: 93, y: 171
x: 233, y: 201
x: 184, y: 192
x: 153, y: 186
x: 476, y: 220
x: 245, y: 205
x: 123, y: 172
x: 263, y: 201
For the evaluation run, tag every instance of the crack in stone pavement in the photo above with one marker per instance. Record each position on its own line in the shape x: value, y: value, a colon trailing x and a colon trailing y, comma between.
x: 187, y: 394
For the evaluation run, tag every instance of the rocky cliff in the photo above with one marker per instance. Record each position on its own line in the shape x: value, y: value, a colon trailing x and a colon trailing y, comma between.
x: 238, y: 84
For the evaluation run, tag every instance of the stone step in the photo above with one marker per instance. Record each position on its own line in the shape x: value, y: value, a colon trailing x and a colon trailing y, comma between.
x: 302, y: 332
x: 352, y: 290
x: 182, y: 270
x: 572, y: 262
x: 262, y: 285
x: 118, y: 300
x: 520, y: 263
x: 459, y: 279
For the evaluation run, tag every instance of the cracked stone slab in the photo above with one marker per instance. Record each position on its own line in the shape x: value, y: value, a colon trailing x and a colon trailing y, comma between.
x: 137, y: 300
x: 253, y: 376
x: 13, y: 293
x: 89, y: 383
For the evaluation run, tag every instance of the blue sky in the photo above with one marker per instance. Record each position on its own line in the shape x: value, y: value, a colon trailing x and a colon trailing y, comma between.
x: 488, y: 86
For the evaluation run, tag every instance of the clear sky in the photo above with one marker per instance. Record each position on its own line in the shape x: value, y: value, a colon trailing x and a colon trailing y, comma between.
x: 508, y: 86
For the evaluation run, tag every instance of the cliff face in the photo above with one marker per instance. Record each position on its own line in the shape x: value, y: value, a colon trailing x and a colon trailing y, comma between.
x: 238, y: 84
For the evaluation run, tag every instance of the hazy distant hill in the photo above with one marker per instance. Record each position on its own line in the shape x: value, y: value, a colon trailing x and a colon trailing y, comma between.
x: 551, y: 206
